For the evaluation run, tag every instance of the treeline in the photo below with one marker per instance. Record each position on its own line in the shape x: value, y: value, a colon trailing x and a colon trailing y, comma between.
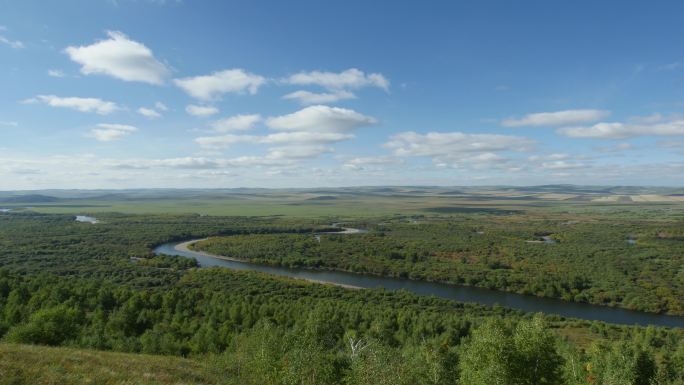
x: 588, y: 260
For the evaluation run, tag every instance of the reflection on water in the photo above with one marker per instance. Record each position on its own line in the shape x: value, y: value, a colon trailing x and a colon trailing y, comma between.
x: 85, y: 218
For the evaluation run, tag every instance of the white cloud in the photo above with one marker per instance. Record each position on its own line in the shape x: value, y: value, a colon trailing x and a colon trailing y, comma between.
x: 561, y: 165
x: 550, y: 157
x: 453, y: 144
x: 280, y: 139
x: 9, y: 124
x: 366, y: 163
x: 650, y: 126
x: 11, y: 43
x: 236, y: 123
x: 121, y: 58
x: 212, y: 87
x: 96, y: 105
x: 194, y: 163
x: 148, y: 113
x: 558, y: 118
x: 616, y: 148
x: 224, y: 141
x: 160, y: 106
x: 56, y: 73
x: 307, y: 97
x: 298, y: 152
x: 106, y: 132
x: 458, y: 150
x: 305, y: 137
x: 308, y: 133
x: 348, y: 79
x: 183, y: 163
x: 321, y: 118
x: 202, y: 111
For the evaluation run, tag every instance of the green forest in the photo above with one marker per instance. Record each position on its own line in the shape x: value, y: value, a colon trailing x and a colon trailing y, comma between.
x: 99, y: 286
x: 633, y: 263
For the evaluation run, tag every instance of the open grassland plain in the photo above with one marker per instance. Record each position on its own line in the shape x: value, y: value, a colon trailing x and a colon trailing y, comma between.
x: 358, y: 202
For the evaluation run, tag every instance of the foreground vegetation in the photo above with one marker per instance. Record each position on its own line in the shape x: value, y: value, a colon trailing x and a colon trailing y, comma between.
x: 40, y: 365
x: 85, y: 286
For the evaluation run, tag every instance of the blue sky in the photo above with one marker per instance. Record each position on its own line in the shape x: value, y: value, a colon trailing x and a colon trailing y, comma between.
x: 118, y: 94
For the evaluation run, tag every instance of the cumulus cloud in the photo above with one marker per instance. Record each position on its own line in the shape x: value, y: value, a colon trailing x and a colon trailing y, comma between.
x: 95, y: 105
x: 558, y: 118
x: 298, y: 152
x: 449, y: 144
x: 16, y: 44
x: 305, y: 137
x: 148, y: 113
x: 224, y: 141
x: 616, y: 148
x: 194, y: 163
x: 320, y: 118
x: 106, y: 132
x: 121, y: 58
x: 650, y: 126
x: 213, y: 86
x: 348, y: 79
x: 460, y: 150
x: 365, y: 163
x: 236, y: 123
x: 181, y: 163
x: 307, y: 97
x: 305, y: 134
x: 281, y: 139
x: 201, y: 111
x: 561, y: 165
x: 160, y: 106
x: 56, y: 73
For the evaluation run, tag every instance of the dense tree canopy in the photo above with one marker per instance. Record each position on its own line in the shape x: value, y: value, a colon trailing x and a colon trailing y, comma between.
x: 99, y: 286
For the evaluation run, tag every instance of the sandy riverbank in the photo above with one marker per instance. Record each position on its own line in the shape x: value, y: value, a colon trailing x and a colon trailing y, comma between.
x: 185, y: 247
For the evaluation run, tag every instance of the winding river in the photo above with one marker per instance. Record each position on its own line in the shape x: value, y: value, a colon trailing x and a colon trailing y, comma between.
x: 454, y: 292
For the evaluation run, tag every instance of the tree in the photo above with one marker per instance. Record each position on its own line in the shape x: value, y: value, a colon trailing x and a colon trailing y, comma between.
x: 51, y: 326
x: 621, y: 363
x: 495, y: 356
x: 536, y: 359
x: 487, y: 358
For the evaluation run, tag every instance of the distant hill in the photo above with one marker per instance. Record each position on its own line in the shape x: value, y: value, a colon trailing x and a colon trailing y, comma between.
x: 31, y: 198
x: 323, y: 198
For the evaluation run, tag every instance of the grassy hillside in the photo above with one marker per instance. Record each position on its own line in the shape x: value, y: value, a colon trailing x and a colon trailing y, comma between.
x: 36, y: 365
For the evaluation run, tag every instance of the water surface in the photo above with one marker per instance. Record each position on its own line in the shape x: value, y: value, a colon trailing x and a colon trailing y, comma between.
x: 453, y: 292
x: 85, y: 218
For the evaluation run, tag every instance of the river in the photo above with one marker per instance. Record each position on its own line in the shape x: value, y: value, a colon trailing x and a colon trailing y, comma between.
x: 454, y: 292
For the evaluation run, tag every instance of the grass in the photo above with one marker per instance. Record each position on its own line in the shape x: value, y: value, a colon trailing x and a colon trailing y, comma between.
x: 346, y: 202
x: 37, y: 365
x: 364, y: 206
